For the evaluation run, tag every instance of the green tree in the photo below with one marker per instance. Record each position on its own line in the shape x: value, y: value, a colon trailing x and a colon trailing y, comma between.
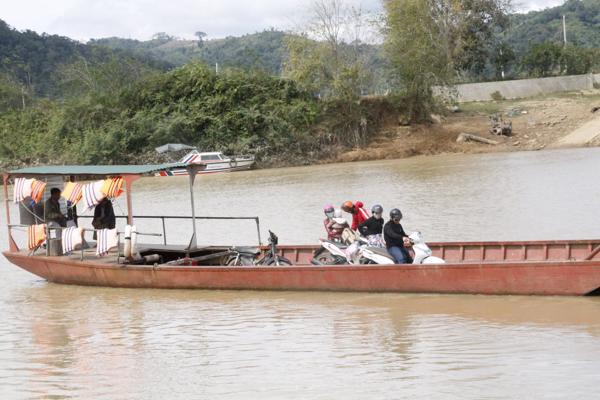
x: 502, y: 58
x: 542, y: 59
x: 418, y: 57
x: 332, y: 65
x: 577, y: 60
x: 429, y: 42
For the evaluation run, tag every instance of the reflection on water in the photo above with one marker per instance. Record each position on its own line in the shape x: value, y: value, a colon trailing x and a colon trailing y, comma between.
x: 62, y: 341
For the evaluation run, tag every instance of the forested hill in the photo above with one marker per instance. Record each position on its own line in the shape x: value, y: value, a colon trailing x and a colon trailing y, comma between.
x: 263, y: 51
x: 39, y: 63
x: 266, y: 50
x: 582, y: 20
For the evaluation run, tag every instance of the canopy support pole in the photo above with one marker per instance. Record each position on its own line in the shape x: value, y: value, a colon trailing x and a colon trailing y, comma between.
x: 192, y: 170
x: 129, y: 179
x: 11, y: 242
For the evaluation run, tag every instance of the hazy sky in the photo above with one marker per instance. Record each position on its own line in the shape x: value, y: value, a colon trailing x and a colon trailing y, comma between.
x: 140, y: 19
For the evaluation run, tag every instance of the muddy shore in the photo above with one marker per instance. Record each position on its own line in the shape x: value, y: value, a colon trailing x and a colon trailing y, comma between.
x: 537, y: 123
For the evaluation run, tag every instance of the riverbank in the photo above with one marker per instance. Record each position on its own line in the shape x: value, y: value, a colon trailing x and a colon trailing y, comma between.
x: 538, y: 123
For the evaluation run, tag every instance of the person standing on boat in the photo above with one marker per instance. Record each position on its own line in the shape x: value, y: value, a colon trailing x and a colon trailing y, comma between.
x: 396, y: 239
x: 52, y: 213
x: 104, y: 216
x: 359, y: 214
x: 372, y: 228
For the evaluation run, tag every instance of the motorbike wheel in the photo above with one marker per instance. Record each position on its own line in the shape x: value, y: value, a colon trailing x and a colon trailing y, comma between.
x: 240, y: 261
x: 324, y: 257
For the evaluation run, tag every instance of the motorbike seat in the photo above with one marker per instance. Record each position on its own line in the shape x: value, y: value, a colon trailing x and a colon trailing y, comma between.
x: 380, y: 251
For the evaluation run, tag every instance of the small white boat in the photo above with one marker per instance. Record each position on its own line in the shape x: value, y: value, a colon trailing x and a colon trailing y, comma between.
x: 215, y: 161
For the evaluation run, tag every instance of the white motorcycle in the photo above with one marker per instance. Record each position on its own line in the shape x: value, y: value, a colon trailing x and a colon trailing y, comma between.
x: 423, y: 254
x: 331, y: 253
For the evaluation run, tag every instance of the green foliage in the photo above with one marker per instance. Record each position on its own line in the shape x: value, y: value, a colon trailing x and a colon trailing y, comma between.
x: 264, y: 51
x: 536, y: 27
x: 32, y: 60
x: 578, y: 60
x: 547, y: 59
x: 497, y: 96
x: 235, y: 111
x: 416, y: 53
x: 542, y: 59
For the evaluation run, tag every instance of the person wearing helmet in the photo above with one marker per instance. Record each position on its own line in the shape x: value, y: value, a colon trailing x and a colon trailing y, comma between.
x: 396, y: 239
x: 337, y: 226
x: 328, y: 221
x: 372, y: 228
x: 359, y: 214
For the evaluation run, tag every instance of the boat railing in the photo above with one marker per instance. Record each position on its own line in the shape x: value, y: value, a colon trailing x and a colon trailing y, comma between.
x: 58, y: 235
x: 163, y: 218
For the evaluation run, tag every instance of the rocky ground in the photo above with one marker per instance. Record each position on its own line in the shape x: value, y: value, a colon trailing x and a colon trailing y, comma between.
x: 537, y: 123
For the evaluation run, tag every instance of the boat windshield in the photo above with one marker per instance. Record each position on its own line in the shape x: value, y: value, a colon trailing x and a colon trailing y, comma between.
x: 210, y: 157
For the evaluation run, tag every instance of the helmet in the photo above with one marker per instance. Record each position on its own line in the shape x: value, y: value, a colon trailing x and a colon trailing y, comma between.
x: 377, y: 209
x: 395, y: 214
x: 328, y: 208
x: 347, y: 206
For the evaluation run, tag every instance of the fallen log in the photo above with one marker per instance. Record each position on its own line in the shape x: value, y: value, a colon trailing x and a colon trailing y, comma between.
x: 467, y: 137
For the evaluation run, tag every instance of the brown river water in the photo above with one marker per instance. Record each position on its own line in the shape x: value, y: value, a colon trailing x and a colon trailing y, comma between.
x: 100, y: 343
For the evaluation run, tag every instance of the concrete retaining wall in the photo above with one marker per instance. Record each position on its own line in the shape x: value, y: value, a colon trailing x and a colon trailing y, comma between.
x: 525, y: 87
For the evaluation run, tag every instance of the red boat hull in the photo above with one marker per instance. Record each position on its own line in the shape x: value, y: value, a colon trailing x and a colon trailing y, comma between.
x: 509, y: 274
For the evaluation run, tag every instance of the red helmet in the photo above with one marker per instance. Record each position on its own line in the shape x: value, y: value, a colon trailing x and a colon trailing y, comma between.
x: 347, y: 206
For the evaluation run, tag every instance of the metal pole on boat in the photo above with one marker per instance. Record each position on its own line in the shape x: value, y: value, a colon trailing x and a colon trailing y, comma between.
x: 11, y: 243
x: 193, y: 169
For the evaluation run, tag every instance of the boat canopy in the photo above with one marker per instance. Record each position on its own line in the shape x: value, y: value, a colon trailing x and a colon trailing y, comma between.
x: 173, y: 147
x: 93, y: 170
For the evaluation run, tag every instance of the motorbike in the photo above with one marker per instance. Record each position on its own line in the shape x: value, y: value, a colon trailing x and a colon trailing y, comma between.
x: 333, y: 253
x: 423, y: 254
x: 272, y: 256
x: 330, y: 253
x: 246, y: 256
x: 374, y: 255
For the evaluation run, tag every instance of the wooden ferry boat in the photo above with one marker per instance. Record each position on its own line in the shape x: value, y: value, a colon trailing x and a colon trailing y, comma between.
x: 519, y: 268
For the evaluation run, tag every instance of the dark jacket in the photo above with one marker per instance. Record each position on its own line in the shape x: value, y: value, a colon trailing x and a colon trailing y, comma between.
x: 393, y: 235
x: 372, y: 226
x: 104, y: 216
x: 52, y: 212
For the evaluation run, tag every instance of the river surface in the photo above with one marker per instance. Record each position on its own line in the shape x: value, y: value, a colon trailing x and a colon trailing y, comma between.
x: 98, y: 343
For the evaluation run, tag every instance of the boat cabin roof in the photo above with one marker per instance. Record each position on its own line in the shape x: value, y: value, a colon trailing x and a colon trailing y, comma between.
x: 93, y: 170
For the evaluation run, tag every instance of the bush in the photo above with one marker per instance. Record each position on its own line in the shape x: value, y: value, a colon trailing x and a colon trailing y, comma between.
x: 497, y: 96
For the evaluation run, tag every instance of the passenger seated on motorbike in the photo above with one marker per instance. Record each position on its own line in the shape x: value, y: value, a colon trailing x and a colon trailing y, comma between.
x: 328, y: 221
x: 337, y: 226
x: 396, y: 239
x: 359, y: 214
x: 372, y: 228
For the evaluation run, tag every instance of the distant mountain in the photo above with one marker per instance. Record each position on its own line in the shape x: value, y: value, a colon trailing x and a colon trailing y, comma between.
x: 33, y: 60
x: 263, y: 51
x: 582, y: 20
